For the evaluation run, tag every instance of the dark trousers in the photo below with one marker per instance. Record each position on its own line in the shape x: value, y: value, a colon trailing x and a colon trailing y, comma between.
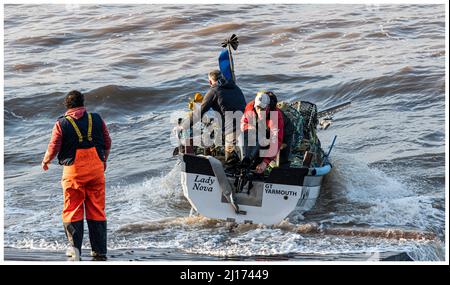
x: 97, y: 235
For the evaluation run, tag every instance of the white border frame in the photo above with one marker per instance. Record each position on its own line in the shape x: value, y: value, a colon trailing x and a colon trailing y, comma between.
x: 230, y: 263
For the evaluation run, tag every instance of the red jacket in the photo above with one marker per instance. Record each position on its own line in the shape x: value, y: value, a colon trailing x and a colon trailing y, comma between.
x: 54, y: 145
x: 248, y: 121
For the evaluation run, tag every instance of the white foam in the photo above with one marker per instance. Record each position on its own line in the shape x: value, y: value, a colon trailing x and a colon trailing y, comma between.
x: 376, y: 198
x: 152, y: 199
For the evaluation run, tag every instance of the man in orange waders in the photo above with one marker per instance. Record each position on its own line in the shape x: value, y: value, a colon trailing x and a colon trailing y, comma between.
x: 82, y: 143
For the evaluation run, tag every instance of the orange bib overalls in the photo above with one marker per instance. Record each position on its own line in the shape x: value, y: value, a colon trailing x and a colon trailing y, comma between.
x: 83, y: 184
x: 84, y: 187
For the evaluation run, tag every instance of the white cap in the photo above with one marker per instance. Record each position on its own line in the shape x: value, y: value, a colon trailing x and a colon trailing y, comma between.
x: 262, y: 100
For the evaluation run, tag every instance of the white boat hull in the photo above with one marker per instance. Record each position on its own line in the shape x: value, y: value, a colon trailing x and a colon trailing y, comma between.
x: 267, y: 202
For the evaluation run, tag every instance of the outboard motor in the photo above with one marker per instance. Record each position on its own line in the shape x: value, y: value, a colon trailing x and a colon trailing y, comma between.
x: 249, y: 154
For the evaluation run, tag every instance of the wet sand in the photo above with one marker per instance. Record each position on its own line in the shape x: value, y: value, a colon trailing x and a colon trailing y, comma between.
x: 158, y: 255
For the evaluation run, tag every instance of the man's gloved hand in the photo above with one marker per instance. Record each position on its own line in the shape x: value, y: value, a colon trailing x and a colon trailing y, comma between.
x: 44, y: 165
x: 261, y: 167
x: 177, y: 129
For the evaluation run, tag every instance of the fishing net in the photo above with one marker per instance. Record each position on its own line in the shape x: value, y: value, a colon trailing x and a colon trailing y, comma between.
x: 303, y: 116
x: 308, y: 111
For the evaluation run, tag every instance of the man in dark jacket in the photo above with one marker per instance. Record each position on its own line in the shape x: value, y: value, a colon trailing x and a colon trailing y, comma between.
x: 225, y: 97
x: 81, y: 142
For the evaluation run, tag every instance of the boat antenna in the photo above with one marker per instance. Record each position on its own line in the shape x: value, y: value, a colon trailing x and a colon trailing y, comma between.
x: 327, y: 156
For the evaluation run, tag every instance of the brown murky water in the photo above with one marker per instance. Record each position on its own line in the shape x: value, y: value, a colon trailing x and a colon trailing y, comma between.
x: 139, y: 63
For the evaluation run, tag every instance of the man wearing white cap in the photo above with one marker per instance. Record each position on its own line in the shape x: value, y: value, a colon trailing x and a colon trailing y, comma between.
x: 261, y: 115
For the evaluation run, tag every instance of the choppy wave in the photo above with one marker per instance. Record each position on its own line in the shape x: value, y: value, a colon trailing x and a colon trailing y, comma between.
x: 111, y: 100
x: 46, y: 41
x: 222, y: 28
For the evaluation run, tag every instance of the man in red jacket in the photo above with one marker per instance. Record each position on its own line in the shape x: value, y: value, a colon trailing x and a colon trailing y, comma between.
x: 261, y: 116
x: 82, y: 143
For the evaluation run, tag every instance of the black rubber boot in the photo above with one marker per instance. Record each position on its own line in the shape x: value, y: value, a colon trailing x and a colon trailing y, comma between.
x: 74, y: 233
x: 97, y: 237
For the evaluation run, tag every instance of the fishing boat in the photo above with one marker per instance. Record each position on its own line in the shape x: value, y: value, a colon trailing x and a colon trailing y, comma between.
x: 240, y: 194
